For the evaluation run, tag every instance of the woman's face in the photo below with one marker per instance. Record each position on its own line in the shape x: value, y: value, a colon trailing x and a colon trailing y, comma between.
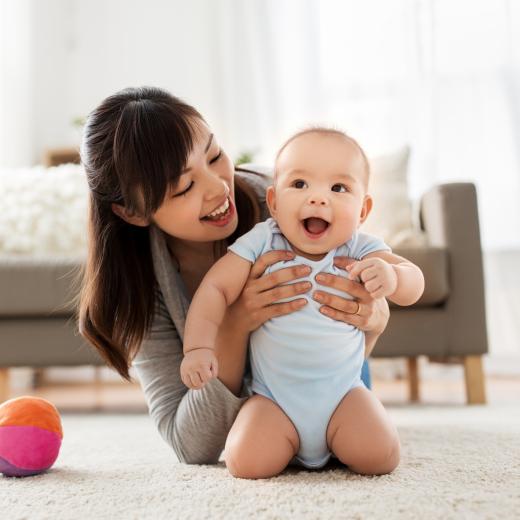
x: 206, y: 187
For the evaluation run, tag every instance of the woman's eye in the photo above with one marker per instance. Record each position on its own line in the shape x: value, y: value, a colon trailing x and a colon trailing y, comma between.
x: 185, y: 191
x: 339, y: 188
x: 299, y: 184
x: 216, y: 158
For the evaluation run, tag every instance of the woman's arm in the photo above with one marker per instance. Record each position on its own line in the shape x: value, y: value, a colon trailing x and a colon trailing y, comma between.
x: 195, y: 423
x: 378, y: 320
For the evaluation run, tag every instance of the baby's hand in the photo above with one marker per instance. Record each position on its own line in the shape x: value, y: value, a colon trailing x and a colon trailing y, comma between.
x: 198, y: 367
x: 378, y: 276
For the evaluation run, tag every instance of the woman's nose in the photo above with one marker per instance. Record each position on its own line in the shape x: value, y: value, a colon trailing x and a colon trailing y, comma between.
x: 217, y: 189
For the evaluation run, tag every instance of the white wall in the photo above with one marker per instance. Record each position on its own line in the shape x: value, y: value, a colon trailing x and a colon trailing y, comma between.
x: 258, y: 69
x: 87, y: 50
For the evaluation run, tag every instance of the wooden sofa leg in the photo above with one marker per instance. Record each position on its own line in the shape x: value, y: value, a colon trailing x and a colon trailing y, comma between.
x: 413, y: 379
x: 475, y: 382
x: 4, y: 384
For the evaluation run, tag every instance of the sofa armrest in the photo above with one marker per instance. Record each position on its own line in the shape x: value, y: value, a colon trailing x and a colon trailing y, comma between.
x: 38, y: 286
x: 449, y: 216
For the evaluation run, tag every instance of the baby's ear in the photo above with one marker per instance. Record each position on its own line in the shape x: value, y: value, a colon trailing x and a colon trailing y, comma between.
x: 270, y: 199
x: 366, y: 208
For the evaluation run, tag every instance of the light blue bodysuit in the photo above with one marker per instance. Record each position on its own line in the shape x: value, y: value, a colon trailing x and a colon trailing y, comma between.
x: 305, y: 361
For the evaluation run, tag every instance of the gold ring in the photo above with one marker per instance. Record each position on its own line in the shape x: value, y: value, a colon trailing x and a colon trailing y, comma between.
x: 358, y: 307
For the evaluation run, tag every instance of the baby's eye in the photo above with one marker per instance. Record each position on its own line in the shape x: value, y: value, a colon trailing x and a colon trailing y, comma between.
x: 299, y: 184
x: 340, y: 188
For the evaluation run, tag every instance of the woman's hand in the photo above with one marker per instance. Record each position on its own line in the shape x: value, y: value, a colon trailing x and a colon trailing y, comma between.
x: 256, y: 303
x: 364, y: 312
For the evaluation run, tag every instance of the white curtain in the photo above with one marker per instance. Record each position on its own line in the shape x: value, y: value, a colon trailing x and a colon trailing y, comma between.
x: 15, y: 83
x: 442, y: 76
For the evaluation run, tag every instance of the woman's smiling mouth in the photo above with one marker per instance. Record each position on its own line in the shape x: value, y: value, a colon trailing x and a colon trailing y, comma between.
x: 222, y: 215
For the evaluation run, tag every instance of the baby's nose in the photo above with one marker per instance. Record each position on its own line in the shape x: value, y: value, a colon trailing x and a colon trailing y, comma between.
x: 317, y: 199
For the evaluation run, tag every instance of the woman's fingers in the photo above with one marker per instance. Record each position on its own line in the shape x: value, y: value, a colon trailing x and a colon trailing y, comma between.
x: 355, y: 289
x: 281, y: 292
x: 280, y: 309
x: 343, y: 261
x: 267, y: 259
x: 287, y: 274
x: 359, y: 312
x: 337, y: 302
x: 260, y: 298
x: 357, y: 320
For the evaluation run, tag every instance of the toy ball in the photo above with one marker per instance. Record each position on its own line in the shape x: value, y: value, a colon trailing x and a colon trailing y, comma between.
x: 30, y: 436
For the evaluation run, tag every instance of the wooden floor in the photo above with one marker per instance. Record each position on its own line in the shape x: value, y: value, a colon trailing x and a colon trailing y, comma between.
x: 128, y: 398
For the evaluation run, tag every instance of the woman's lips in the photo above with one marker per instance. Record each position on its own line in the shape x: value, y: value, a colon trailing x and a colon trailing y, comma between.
x: 224, y: 221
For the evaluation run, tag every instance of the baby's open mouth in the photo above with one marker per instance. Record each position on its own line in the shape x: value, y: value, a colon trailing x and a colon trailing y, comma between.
x: 315, y: 225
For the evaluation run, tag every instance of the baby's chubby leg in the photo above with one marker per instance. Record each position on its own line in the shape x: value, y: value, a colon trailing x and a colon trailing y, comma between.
x: 262, y: 440
x: 361, y: 434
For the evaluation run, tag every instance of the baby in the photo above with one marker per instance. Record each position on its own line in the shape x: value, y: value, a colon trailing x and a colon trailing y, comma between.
x: 305, y: 362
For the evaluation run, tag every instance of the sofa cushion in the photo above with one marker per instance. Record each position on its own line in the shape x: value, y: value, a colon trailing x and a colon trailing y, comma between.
x: 33, y: 286
x: 434, y: 264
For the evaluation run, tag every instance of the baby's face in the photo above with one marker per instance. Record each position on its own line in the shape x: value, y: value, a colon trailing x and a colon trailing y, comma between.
x: 319, y: 196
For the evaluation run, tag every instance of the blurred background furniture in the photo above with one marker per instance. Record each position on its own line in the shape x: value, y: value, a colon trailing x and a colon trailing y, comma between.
x: 448, y: 324
x: 37, y: 327
x: 56, y: 156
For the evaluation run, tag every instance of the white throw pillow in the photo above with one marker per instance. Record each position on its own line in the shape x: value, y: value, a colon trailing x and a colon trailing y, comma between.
x: 43, y: 211
x: 391, y: 215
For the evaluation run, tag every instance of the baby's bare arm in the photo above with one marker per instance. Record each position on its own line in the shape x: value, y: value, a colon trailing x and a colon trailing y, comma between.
x: 390, y: 275
x: 220, y: 288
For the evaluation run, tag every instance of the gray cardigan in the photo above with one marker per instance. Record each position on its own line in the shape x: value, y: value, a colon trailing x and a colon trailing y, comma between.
x: 195, y: 423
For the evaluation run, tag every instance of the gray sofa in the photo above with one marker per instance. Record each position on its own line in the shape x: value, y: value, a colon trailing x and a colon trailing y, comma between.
x: 448, y: 324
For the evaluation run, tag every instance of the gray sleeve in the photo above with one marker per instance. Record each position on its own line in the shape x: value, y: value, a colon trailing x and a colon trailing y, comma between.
x: 195, y: 423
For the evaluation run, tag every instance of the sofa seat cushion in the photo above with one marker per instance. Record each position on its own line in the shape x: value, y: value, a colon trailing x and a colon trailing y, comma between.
x: 434, y: 264
x: 38, y: 286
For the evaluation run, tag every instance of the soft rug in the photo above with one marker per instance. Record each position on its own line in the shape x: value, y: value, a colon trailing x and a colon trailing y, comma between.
x: 457, y: 462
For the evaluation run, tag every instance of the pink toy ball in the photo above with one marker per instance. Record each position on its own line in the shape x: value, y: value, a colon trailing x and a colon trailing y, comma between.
x: 30, y: 436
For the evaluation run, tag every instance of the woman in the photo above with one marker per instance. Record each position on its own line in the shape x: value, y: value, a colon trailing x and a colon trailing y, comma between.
x: 165, y: 202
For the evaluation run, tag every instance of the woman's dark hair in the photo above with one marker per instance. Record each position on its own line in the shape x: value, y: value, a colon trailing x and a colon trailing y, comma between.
x: 136, y: 144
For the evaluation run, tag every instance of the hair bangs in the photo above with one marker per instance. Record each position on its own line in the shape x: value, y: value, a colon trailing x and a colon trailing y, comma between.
x: 152, y: 143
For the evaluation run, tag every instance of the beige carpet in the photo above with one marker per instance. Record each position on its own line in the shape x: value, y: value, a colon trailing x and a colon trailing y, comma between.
x: 457, y: 462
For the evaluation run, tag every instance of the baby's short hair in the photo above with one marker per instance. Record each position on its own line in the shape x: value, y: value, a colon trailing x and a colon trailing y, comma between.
x: 325, y: 130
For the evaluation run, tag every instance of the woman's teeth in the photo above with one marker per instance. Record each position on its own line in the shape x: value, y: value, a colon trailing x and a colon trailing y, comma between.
x: 219, y: 211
